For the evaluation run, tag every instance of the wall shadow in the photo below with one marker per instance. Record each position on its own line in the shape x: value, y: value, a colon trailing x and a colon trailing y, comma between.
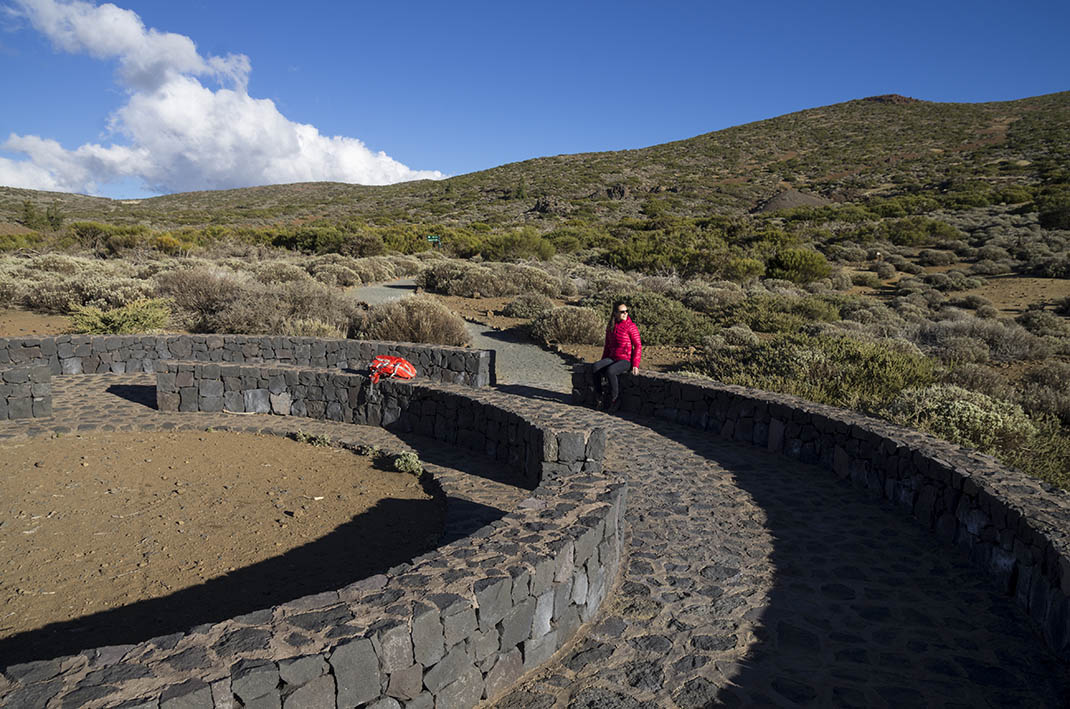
x: 537, y: 393
x: 368, y: 544
x: 450, y: 455
x: 866, y: 608
x: 144, y: 394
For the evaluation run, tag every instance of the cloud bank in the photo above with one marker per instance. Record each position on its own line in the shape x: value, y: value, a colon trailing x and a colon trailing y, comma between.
x: 173, y: 133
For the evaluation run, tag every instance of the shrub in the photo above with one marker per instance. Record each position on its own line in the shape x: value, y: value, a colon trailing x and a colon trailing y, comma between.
x: 280, y: 272
x: 834, y: 370
x: 884, y: 270
x: 867, y: 279
x: 799, y: 265
x: 964, y: 417
x: 1006, y: 341
x: 335, y: 274
x: 955, y: 350
x: 971, y: 302
x: 529, y: 305
x: 413, y: 319
x: 1062, y: 306
x: 661, y: 320
x: 200, y: 293
x: 779, y: 313
x: 743, y: 270
x: 408, y: 462
x: 141, y: 316
x: 570, y: 325
x: 487, y: 280
x: 1046, y: 390
x: 739, y: 335
x: 1041, y: 322
x: 840, y: 281
x: 933, y: 257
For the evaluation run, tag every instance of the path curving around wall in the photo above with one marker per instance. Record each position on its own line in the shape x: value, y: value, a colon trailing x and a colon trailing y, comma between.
x: 754, y: 579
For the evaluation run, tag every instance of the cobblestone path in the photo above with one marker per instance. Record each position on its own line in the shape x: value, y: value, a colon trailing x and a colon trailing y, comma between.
x: 758, y: 581
x: 751, y: 580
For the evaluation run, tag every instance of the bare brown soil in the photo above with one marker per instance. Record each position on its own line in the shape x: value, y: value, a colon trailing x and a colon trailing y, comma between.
x: 96, y: 522
x: 23, y: 323
x: 1013, y: 294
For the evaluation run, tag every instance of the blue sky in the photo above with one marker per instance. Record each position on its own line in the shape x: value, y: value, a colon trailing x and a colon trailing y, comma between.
x: 102, y: 99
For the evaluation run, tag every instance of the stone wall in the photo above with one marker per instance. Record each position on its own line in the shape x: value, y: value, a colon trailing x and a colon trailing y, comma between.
x: 25, y: 392
x: 538, y: 452
x: 455, y: 626
x: 97, y: 354
x: 1014, y: 527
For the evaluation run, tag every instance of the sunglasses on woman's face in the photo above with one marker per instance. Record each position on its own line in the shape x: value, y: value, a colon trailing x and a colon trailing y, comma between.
x: 622, y: 312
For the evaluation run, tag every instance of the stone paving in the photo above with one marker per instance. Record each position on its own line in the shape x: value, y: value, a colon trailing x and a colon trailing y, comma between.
x: 752, y: 580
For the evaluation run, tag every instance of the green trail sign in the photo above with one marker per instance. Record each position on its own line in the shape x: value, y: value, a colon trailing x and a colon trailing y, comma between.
x: 434, y: 239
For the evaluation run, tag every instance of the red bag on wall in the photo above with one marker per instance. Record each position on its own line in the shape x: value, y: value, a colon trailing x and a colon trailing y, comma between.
x: 391, y: 368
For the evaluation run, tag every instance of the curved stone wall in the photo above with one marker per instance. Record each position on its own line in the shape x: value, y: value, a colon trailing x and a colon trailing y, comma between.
x: 455, y: 626
x: 95, y: 354
x: 1014, y: 527
x: 25, y: 392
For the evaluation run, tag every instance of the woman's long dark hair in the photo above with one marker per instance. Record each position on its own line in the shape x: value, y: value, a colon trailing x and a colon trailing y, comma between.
x: 613, y: 312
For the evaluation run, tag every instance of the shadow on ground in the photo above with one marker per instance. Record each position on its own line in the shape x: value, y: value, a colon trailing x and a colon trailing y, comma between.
x: 833, y: 597
x: 329, y: 563
x: 867, y: 608
x: 531, y: 392
x: 144, y: 394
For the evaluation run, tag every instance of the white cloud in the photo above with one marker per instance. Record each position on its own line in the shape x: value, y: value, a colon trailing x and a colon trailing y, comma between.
x: 177, y: 134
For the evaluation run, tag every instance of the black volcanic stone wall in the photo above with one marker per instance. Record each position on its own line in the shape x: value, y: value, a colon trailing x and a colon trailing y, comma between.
x: 538, y: 453
x: 453, y: 627
x: 1014, y: 527
x: 97, y: 354
x: 25, y: 392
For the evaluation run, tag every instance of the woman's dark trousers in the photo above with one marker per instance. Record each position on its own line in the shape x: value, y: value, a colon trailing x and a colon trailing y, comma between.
x: 610, y: 369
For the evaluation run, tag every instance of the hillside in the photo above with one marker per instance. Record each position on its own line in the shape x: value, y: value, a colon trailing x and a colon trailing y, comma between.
x: 846, y: 152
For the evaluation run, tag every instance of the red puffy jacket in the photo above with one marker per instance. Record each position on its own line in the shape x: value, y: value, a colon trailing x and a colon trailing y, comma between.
x: 622, y: 342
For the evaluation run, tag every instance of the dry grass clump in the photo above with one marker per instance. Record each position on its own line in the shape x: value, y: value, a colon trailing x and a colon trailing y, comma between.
x: 201, y: 293
x: 1005, y: 341
x: 472, y: 280
x: 412, y: 319
x: 570, y: 325
x: 528, y: 305
x: 280, y: 272
x: 218, y: 300
x: 336, y: 274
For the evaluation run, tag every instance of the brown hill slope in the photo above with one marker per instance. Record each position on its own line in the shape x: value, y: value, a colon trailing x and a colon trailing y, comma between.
x: 841, y: 152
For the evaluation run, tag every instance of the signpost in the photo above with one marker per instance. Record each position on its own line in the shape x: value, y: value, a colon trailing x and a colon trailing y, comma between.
x: 434, y: 239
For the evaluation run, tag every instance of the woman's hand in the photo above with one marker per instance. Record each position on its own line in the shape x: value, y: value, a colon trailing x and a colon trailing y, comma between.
x: 635, y: 370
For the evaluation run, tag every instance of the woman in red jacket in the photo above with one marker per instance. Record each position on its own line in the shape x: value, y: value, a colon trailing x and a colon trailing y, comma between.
x: 622, y: 351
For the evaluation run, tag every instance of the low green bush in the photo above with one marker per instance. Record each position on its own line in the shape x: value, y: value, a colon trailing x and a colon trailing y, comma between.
x: 660, y: 319
x: 408, y: 462
x: 799, y: 265
x: 961, y: 416
x: 833, y: 370
x: 140, y: 316
x: 867, y: 279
